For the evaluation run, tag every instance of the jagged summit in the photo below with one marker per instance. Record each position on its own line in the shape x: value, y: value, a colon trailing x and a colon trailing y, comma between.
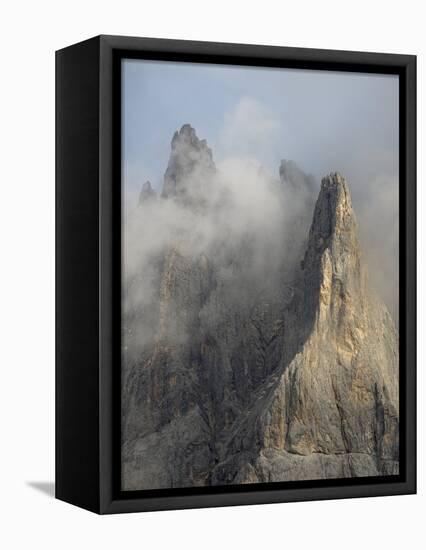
x: 147, y: 192
x: 335, y: 192
x: 186, y: 134
x: 332, y: 263
x: 238, y: 385
x: 334, y: 218
x: 331, y: 407
x: 292, y: 176
x: 333, y: 179
x: 190, y: 165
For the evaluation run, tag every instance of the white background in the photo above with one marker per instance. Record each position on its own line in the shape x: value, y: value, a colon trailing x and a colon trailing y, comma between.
x: 30, y: 32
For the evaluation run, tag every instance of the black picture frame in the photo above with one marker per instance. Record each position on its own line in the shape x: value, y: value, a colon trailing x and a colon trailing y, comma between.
x: 88, y: 270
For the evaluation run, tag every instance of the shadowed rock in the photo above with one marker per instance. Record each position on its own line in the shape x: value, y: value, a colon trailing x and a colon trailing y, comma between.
x: 147, y: 193
x: 243, y: 384
x: 292, y: 176
x: 190, y: 167
x: 331, y: 410
x: 299, y: 192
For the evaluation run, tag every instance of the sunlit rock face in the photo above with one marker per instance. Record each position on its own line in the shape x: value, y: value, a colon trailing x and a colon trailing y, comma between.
x: 247, y: 371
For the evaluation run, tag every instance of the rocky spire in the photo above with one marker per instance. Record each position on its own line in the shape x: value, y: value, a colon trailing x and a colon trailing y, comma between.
x: 190, y: 167
x: 303, y: 388
x: 332, y: 406
x: 332, y: 267
x: 334, y: 225
x: 334, y: 219
x: 293, y: 177
x: 147, y: 192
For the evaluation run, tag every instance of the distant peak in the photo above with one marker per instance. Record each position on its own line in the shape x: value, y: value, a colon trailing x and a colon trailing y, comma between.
x: 187, y: 129
x: 287, y: 166
x: 190, y: 163
x: 187, y: 136
x: 147, y: 192
x: 293, y: 177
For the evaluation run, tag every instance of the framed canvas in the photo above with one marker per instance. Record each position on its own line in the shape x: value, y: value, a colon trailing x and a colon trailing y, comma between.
x: 236, y: 282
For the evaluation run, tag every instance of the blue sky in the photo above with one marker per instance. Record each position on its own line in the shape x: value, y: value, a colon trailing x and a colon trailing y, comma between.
x: 325, y: 121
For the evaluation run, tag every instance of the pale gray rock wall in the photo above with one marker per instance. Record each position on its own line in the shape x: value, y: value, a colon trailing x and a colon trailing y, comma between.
x: 250, y: 382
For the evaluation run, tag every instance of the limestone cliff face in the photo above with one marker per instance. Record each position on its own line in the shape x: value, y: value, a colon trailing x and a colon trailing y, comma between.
x: 249, y: 382
x: 331, y: 408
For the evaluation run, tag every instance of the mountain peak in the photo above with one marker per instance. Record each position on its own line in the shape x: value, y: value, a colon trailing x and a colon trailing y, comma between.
x: 333, y: 269
x: 190, y: 164
x: 334, y: 217
x: 187, y: 132
x: 242, y: 382
x: 292, y: 176
x: 333, y: 179
x: 335, y: 185
x: 147, y: 192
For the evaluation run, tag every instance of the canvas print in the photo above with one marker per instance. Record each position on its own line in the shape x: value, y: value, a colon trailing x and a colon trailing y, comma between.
x: 259, y: 275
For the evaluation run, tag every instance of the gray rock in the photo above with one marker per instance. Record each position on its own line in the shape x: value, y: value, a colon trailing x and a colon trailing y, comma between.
x: 190, y: 167
x: 332, y: 405
x: 147, y: 193
x: 247, y: 382
x: 299, y: 195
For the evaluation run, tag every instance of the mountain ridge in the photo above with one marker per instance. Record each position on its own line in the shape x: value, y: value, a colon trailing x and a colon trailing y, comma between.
x: 248, y: 382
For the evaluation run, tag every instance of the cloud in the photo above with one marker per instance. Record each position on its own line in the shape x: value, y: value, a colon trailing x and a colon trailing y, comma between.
x: 248, y: 225
x: 377, y: 208
x: 249, y: 130
x: 253, y: 136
